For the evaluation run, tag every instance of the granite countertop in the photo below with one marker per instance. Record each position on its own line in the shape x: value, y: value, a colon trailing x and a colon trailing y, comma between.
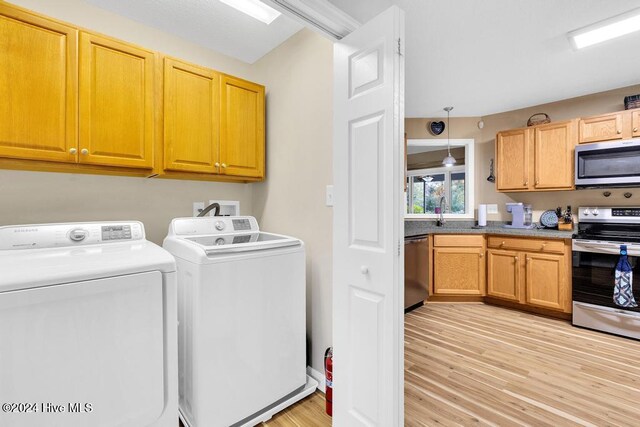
x: 414, y: 228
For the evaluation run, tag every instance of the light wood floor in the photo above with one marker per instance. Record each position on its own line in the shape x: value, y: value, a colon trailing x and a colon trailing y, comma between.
x: 475, y: 364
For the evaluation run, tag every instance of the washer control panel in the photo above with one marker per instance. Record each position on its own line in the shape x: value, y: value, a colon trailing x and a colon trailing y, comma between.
x: 69, y: 235
x: 213, y: 225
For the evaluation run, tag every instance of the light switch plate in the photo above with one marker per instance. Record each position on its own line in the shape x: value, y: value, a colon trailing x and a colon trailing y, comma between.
x: 329, y: 197
x: 492, y: 209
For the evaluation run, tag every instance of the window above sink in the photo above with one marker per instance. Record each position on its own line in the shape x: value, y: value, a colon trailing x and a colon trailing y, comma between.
x: 428, y: 180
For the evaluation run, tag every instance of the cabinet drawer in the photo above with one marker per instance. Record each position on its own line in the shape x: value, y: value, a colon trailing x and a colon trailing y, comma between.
x: 535, y: 245
x: 458, y: 240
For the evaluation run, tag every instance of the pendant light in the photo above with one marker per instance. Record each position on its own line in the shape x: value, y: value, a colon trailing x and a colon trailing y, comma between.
x: 449, y: 160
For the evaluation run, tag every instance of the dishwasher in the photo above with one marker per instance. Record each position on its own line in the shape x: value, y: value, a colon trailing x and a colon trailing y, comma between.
x: 416, y: 272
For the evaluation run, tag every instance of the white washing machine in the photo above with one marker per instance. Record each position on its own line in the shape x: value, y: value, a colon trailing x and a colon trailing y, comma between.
x: 241, y: 306
x: 88, y: 327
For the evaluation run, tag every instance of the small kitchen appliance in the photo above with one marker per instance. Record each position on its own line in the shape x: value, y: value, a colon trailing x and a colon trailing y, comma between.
x: 521, y: 215
x: 598, y: 246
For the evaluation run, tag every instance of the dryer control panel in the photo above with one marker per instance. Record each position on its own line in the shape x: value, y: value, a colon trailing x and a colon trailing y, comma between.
x: 39, y: 236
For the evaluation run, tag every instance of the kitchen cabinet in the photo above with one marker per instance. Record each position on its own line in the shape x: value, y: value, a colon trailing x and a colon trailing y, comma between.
x: 116, y: 103
x: 503, y: 274
x: 538, y: 158
x: 605, y: 127
x: 191, y: 118
x: 531, y: 272
x: 458, y: 268
x: 610, y: 127
x: 512, y: 159
x: 242, y: 139
x: 38, y: 86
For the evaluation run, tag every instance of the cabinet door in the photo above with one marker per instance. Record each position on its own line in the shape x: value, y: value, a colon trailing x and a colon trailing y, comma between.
x: 242, y: 128
x: 546, y: 281
x: 601, y: 128
x: 512, y: 156
x: 116, y: 103
x: 635, y: 119
x: 38, y: 86
x: 191, y: 118
x: 554, y: 152
x: 458, y: 271
x: 503, y: 274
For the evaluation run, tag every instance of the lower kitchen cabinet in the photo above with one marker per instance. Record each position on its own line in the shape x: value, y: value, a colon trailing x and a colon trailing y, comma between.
x: 503, y: 274
x: 546, y: 281
x: 531, y: 272
x: 459, y: 270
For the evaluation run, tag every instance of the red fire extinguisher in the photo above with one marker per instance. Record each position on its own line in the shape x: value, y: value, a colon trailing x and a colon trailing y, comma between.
x: 328, y: 374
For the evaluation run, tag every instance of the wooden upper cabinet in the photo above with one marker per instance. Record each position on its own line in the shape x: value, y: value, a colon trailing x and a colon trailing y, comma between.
x: 503, y: 274
x: 635, y: 123
x: 512, y: 159
x: 116, y: 103
x: 459, y: 271
x: 191, y: 118
x: 242, y: 139
x: 546, y: 279
x: 38, y: 84
x: 605, y: 127
x: 554, y: 152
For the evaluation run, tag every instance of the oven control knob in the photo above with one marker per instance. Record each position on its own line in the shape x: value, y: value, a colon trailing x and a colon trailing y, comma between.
x: 586, y: 212
x: 595, y: 212
x: 219, y: 225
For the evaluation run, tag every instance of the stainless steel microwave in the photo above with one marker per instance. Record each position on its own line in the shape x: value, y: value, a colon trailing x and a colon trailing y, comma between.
x: 608, y: 164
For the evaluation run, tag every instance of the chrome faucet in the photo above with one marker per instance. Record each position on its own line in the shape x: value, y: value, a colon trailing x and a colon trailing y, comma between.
x: 443, y: 206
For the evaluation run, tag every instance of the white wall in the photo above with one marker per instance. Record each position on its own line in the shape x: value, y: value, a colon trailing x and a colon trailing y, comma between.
x: 299, y: 79
x: 35, y: 197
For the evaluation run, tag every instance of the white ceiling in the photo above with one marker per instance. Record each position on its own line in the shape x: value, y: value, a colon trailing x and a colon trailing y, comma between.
x: 490, y: 56
x: 208, y: 23
x: 480, y: 56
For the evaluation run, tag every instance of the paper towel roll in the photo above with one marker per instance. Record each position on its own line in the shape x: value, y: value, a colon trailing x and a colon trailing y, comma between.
x: 482, y: 215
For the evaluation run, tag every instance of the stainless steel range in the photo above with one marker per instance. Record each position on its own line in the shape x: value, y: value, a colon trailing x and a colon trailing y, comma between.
x: 596, y: 251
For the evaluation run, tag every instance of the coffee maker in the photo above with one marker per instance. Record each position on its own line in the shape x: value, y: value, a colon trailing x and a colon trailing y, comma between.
x: 521, y: 215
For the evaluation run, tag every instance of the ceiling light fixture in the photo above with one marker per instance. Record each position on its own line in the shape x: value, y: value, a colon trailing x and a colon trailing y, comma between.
x: 608, y: 29
x: 449, y: 160
x: 255, y: 9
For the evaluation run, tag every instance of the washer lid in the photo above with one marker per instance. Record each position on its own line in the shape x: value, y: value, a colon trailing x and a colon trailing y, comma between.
x: 31, y: 268
x: 237, y: 242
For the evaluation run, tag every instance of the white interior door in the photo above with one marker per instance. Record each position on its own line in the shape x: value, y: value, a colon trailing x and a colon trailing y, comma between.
x: 368, y: 224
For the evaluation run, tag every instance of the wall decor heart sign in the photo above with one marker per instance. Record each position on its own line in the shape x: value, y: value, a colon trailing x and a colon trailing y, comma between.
x: 436, y: 128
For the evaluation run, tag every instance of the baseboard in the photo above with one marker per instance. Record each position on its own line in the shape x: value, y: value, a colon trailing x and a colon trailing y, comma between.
x: 318, y: 377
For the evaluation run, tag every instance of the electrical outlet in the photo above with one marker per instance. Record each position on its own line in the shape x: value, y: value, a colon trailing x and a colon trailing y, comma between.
x: 492, y: 209
x: 197, y: 208
x: 329, y: 196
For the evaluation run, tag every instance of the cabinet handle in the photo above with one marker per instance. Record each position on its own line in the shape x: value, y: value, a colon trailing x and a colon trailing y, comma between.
x: 481, y: 254
x: 526, y: 183
x: 635, y: 129
x: 502, y: 244
x: 537, y: 182
x: 84, y: 151
x: 216, y: 164
x: 516, y: 259
x: 73, y: 151
x: 619, y: 132
x: 224, y: 165
x: 544, y: 245
x: 528, y: 259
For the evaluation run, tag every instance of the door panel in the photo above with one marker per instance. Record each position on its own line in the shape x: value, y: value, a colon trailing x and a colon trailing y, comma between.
x: 191, y: 117
x: 512, y: 153
x: 242, y: 128
x: 368, y: 224
x: 116, y: 103
x: 635, y: 122
x: 554, y: 155
x: 38, y: 84
x: 458, y: 271
x: 503, y: 274
x: 546, y: 283
x: 601, y: 128
x: 99, y: 342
